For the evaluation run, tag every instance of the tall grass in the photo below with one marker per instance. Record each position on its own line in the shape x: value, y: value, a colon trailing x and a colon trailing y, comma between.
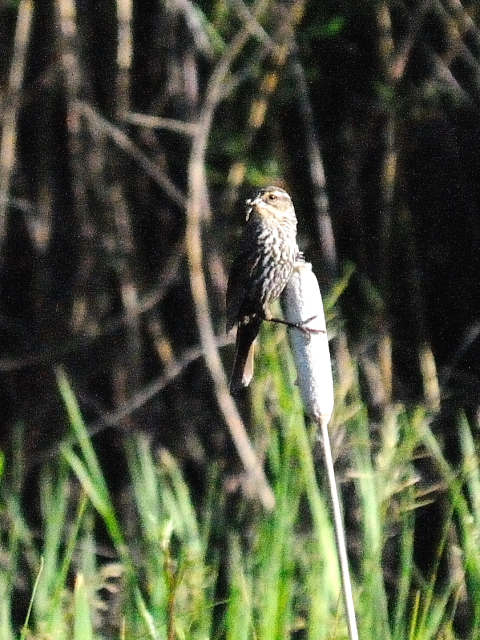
x: 170, y: 571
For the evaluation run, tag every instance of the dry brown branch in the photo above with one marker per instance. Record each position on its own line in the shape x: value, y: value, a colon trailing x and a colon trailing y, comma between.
x: 10, y: 114
x: 167, y: 278
x: 74, y: 84
x: 197, y: 204
x: 127, y: 146
x: 402, y: 54
x: 459, y: 50
x: 196, y: 25
x: 155, y: 122
x: 138, y: 400
x: 278, y: 49
x: 464, y: 20
x: 124, y: 55
x: 317, y: 171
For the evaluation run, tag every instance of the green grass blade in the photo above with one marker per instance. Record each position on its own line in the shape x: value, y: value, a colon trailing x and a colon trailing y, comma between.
x: 82, y: 622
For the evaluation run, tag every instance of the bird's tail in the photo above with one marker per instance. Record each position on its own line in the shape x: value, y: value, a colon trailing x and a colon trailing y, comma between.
x: 243, y: 365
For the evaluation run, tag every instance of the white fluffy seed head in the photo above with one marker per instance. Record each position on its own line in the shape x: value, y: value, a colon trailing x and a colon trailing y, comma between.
x: 301, y: 300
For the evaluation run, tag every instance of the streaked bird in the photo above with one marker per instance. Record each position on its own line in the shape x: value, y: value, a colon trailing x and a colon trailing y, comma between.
x: 266, y: 255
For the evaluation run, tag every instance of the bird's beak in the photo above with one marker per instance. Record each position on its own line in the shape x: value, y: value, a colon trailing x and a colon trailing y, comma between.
x: 254, y: 202
x: 257, y: 202
x: 249, y: 208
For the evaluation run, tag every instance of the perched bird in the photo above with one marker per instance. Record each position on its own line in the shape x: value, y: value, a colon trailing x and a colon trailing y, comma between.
x: 266, y: 255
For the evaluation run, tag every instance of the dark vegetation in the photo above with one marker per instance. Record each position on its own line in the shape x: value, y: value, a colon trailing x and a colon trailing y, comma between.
x: 131, y: 133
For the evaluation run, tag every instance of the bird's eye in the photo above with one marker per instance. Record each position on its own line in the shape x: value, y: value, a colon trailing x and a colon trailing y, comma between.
x: 272, y: 196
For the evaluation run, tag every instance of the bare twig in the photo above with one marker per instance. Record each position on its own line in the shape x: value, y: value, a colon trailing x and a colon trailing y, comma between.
x: 197, y: 25
x: 128, y: 376
x: 10, y: 114
x: 387, y: 185
x: 470, y: 335
x: 75, y: 83
x: 402, y: 54
x: 253, y: 25
x: 128, y: 147
x: 464, y: 20
x: 279, y: 49
x: 160, y: 339
x: 460, y: 51
x: 446, y: 77
x: 155, y: 122
x: 124, y: 55
x: 124, y: 265
x: 317, y: 172
x: 55, y: 355
x: 149, y: 391
x: 116, y: 419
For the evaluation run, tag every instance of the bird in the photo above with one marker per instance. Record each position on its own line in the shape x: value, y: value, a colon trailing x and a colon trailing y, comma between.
x: 262, y: 266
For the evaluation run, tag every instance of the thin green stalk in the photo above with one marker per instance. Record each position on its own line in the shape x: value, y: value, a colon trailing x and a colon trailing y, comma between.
x: 340, y: 534
x: 25, y: 630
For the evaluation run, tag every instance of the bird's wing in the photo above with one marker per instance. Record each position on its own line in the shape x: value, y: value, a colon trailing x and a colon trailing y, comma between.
x: 242, y: 273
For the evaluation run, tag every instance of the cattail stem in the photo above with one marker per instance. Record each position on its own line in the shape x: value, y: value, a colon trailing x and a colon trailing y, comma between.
x: 339, y: 534
x: 302, y: 304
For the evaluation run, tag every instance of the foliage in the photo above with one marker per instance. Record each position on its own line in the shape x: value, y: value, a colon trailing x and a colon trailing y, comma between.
x: 157, y: 573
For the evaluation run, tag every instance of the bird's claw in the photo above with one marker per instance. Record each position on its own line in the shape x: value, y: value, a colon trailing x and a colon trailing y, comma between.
x: 298, y: 325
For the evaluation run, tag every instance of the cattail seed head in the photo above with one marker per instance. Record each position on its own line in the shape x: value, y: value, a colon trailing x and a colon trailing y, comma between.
x: 301, y: 300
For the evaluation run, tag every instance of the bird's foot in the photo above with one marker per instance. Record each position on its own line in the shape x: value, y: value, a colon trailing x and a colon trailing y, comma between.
x: 298, y: 325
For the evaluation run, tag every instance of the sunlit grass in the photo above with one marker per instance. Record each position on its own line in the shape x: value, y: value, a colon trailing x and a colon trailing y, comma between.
x: 157, y: 576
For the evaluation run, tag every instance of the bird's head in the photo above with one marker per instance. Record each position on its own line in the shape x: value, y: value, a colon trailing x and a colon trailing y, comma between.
x: 272, y: 201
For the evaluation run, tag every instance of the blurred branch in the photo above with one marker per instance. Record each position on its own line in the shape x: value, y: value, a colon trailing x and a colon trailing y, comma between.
x: 116, y: 419
x: 252, y: 24
x: 124, y: 55
x: 129, y: 363
x: 467, y: 26
x: 124, y: 265
x: 8, y: 140
x: 149, y: 391
x: 197, y: 24
x: 403, y: 51
x: 444, y: 74
x: 469, y: 336
x: 55, y: 355
x: 127, y: 146
x: 74, y: 84
x: 460, y: 51
x: 387, y: 186
x: 72, y: 77
x: 317, y: 171
x: 155, y: 122
x: 278, y: 48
